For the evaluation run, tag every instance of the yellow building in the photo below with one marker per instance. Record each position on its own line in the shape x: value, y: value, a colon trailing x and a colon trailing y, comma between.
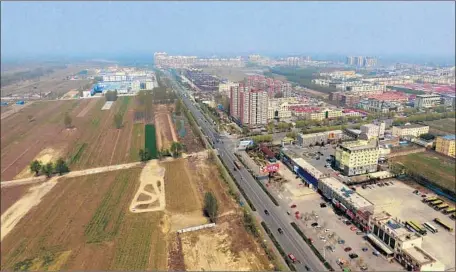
x: 410, y: 130
x: 446, y: 145
x: 356, y: 158
x: 323, y: 114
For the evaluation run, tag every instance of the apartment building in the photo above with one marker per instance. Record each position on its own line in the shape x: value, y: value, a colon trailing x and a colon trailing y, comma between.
x: 394, y: 240
x: 249, y: 106
x: 427, y: 101
x: 371, y: 130
x: 354, y: 205
x: 280, y: 108
x: 225, y: 88
x: 409, y: 130
x: 356, y: 158
x: 446, y: 145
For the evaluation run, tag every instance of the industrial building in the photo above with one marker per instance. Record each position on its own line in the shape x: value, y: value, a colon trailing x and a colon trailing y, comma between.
x: 308, y: 173
x: 358, y: 157
x: 354, y: 205
x: 306, y: 140
x: 446, y: 145
x: 427, y: 101
x: 409, y: 130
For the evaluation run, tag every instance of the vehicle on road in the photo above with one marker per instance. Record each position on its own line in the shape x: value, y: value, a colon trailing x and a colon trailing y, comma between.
x: 353, y: 255
x: 280, y: 230
x: 238, y: 164
x: 306, y: 267
x: 347, y: 249
x: 292, y: 257
x: 266, y: 212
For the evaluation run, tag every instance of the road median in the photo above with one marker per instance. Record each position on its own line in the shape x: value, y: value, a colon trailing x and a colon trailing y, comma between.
x: 278, y: 246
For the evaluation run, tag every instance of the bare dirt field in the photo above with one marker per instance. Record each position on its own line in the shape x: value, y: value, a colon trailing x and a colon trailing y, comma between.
x: 442, y: 127
x: 83, y: 223
x: 93, y: 141
x: 166, y: 133
x: 10, y: 195
x: 150, y: 196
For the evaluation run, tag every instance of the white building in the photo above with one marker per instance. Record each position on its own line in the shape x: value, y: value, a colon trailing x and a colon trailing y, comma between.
x: 410, y: 130
x: 427, y: 100
x: 371, y: 130
x: 225, y: 88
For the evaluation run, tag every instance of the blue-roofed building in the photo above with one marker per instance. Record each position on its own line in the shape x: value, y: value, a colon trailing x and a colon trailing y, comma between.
x: 445, y: 145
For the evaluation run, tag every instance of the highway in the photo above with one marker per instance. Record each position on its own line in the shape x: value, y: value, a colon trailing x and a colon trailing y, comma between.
x: 290, y: 241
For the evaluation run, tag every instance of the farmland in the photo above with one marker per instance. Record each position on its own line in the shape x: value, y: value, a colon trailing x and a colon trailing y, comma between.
x: 37, y: 132
x: 85, y: 221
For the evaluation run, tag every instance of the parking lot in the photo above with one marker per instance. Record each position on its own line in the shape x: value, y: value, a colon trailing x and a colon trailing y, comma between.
x: 400, y: 201
x: 332, y: 229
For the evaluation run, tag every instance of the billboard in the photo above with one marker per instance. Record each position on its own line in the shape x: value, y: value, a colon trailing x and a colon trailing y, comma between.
x: 272, y: 167
x: 244, y: 144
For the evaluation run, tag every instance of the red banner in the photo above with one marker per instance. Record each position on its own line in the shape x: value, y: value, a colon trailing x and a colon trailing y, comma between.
x: 273, y: 167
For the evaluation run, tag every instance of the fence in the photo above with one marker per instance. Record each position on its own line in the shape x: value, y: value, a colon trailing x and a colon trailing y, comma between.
x: 211, y: 225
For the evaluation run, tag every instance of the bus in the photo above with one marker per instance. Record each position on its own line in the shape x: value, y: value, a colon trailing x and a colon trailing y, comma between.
x: 435, y: 202
x: 444, y: 225
x: 414, y: 227
x: 237, y: 164
x: 441, y: 206
x: 421, y: 230
x: 430, y: 227
x: 429, y: 199
x: 449, y: 210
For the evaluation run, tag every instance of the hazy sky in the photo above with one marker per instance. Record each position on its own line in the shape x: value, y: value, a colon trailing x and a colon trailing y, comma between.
x: 105, y: 28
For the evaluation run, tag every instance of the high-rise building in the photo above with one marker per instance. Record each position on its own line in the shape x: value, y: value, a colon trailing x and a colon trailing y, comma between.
x: 360, y: 61
x: 370, y: 62
x: 350, y: 60
x: 249, y: 105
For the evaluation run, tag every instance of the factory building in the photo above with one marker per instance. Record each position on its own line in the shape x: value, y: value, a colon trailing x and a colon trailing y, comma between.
x: 306, y: 140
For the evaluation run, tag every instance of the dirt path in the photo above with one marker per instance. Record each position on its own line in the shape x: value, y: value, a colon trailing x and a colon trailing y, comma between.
x: 14, y: 109
x: 20, y: 156
x: 171, y: 127
x: 19, y: 209
x: 158, y: 134
x: 151, y: 174
x: 85, y: 172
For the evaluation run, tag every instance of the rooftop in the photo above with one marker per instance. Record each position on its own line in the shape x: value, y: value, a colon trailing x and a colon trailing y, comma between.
x: 345, y: 192
x: 411, y: 126
x: 308, y: 167
x: 449, y: 137
x: 419, y: 255
x: 359, y: 145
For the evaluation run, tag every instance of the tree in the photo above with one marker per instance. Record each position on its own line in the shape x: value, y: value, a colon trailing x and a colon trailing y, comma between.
x: 178, y: 108
x: 118, y: 118
x: 67, y: 120
x: 35, y: 166
x: 144, y: 155
x: 176, y: 149
x: 48, y: 169
x: 61, y: 167
x: 210, y: 206
x: 158, y: 184
x: 245, y: 131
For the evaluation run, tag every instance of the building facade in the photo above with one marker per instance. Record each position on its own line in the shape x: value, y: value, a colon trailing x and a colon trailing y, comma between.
x: 249, y: 106
x: 306, y: 140
x: 356, y: 158
x: 446, y: 145
x: 409, y: 130
x: 427, y: 101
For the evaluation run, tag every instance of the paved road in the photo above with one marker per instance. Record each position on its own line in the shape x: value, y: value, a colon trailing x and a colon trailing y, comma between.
x: 277, y: 218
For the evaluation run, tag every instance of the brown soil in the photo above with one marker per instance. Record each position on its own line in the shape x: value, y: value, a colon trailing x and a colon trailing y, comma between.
x: 143, y: 197
x: 10, y: 195
x: 164, y: 129
x: 175, y: 255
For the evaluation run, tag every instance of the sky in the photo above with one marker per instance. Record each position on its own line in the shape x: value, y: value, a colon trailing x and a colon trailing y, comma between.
x: 206, y: 28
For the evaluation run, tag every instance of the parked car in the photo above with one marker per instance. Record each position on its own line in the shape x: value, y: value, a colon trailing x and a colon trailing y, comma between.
x: 280, y: 230
x: 376, y: 253
x: 314, y: 224
x: 341, y: 242
x: 353, y: 255
x: 326, y: 230
x: 288, y: 212
x: 353, y: 228
x: 330, y: 248
x: 266, y: 212
x: 364, y: 267
x: 348, y: 223
x: 359, y: 232
x: 365, y: 249
x: 322, y: 205
x: 293, y: 206
x: 347, y: 249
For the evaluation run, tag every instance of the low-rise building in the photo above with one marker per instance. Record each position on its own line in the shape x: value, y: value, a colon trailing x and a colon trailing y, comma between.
x: 446, y: 145
x: 427, y: 100
x: 306, y: 140
x: 410, y: 130
x: 358, y: 157
x: 371, y: 130
x: 354, y: 205
x: 393, y: 239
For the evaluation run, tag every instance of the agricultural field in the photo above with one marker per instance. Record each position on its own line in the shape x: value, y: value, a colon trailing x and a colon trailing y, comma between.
x: 165, y: 130
x: 442, y: 127
x: 84, y: 224
x: 433, y: 166
x: 10, y: 195
x: 227, y: 246
x: 38, y: 132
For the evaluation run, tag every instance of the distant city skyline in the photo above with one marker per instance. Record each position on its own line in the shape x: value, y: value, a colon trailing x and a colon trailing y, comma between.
x: 113, y: 29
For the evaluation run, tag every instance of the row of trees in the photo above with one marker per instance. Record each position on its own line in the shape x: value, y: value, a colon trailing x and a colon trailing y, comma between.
x: 175, y: 151
x: 111, y: 95
x: 424, y: 117
x: 48, y: 169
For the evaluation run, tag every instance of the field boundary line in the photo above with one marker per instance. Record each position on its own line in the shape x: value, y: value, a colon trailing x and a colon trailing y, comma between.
x: 205, y: 226
x: 20, y: 156
x: 115, y: 145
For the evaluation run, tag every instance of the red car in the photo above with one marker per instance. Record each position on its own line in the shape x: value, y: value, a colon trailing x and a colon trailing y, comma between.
x: 292, y: 257
x: 347, y: 249
x: 353, y: 228
x: 293, y: 206
x: 297, y: 212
